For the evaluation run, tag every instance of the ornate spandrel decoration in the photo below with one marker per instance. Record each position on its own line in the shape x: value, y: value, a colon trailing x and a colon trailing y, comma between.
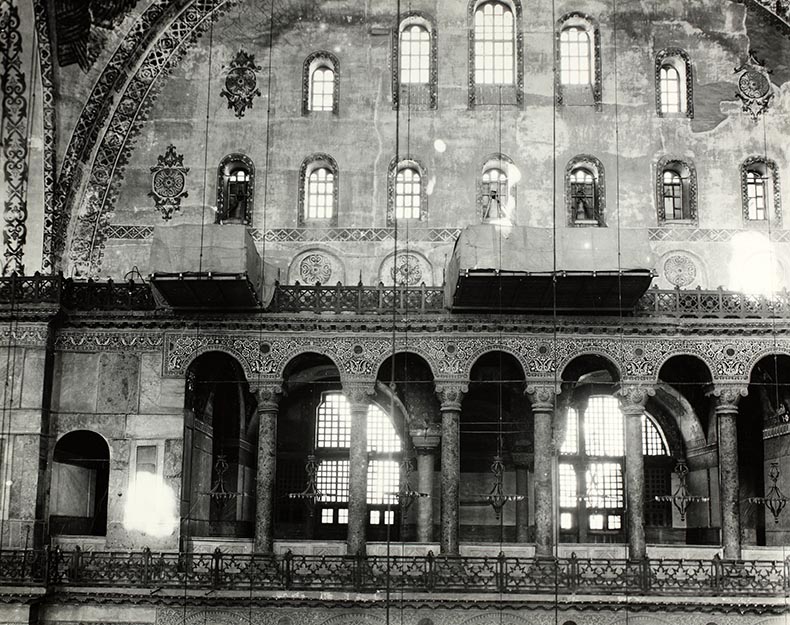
x: 168, y: 182
x: 13, y: 130
x: 681, y: 498
x: 774, y: 499
x: 754, y: 87
x: 241, y: 83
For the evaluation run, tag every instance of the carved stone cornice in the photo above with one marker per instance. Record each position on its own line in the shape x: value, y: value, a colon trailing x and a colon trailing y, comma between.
x: 451, y: 394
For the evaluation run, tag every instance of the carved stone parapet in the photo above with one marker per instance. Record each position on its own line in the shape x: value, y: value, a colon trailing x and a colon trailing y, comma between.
x: 542, y: 395
x: 727, y: 395
x: 268, y: 395
x: 633, y: 397
x: 426, y: 440
x: 451, y: 394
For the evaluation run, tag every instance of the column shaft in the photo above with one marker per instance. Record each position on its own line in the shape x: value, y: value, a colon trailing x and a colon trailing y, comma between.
x: 425, y: 469
x: 267, y: 463
x: 635, y: 482
x: 728, y: 481
x: 451, y: 473
x: 543, y: 415
x: 522, y: 505
x: 358, y: 480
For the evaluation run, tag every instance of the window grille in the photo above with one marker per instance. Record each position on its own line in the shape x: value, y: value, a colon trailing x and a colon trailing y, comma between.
x: 494, y: 44
x: 575, y: 56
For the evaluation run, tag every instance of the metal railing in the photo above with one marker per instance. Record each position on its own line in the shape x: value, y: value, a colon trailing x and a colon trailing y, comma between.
x: 59, y: 292
x: 428, y: 573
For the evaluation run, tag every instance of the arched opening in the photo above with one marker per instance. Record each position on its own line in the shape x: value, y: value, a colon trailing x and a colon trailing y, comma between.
x: 495, y: 444
x: 762, y: 444
x: 407, y: 384
x: 80, y: 478
x: 220, y: 449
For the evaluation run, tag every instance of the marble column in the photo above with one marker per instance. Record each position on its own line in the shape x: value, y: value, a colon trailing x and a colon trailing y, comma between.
x: 357, y: 396
x: 632, y: 404
x: 426, y: 441
x: 268, y: 399
x: 522, y: 459
x: 542, y: 398
x: 450, y: 396
x: 726, y: 407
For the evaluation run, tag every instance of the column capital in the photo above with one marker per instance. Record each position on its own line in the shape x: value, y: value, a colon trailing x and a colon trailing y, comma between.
x: 542, y: 395
x: 358, y: 392
x: 451, y: 394
x: 633, y: 396
x: 267, y: 392
x: 727, y: 395
x: 426, y: 439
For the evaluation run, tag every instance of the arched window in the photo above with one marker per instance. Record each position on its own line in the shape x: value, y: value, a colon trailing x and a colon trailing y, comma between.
x: 318, y: 192
x: 496, y: 190
x: 584, y: 191
x: 235, y: 186
x: 591, y: 470
x: 407, y: 198
x: 673, y: 84
x: 320, y: 83
x: 676, y: 191
x: 414, y: 54
x: 332, y: 441
x: 578, y: 56
x: 496, y: 53
x: 760, y: 191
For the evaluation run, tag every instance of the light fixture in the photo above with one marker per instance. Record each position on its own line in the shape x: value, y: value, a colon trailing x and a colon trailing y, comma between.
x: 774, y: 499
x: 681, y: 498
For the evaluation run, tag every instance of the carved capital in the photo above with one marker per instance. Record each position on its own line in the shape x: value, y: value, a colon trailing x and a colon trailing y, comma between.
x: 358, y: 393
x: 542, y: 396
x: 727, y: 395
x: 633, y: 397
x: 426, y: 439
x: 451, y: 394
x: 268, y: 395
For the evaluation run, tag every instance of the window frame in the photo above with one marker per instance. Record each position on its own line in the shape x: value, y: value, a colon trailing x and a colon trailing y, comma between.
x: 222, y: 172
x: 773, y: 193
x: 310, y: 164
x: 678, y: 59
x: 321, y: 59
x: 496, y: 94
x: 394, y: 169
x: 159, y: 444
x: 688, y: 177
x: 596, y: 169
x: 415, y: 95
x: 505, y: 164
x: 588, y: 94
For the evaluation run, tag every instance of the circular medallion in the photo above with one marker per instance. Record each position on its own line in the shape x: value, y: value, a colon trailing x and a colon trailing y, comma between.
x: 753, y: 84
x: 680, y: 270
x: 241, y: 81
x: 315, y: 268
x: 407, y: 271
x: 168, y: 183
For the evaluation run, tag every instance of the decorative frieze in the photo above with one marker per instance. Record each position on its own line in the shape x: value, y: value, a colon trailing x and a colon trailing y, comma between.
x: 109, y: 341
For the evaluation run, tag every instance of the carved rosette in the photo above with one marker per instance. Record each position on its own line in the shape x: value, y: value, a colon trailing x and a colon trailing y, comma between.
x: 241, y: 83
x: 406, y: 269
x: 168, y: 182
x: 754, y: 88
x: 680, y: 270
x: 315, y: 268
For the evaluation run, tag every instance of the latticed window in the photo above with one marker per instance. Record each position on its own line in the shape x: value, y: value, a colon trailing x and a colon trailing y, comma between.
x: 415, y: 55
x: 332, y: 440
x: 591, y: 483
x: 671, y: 89
x: 755, y: 195
x: 495, y: 188
x: 408, y: 193
x: 494, y: 53
x: 320, y: 194
x: 575, y: 56
x: 672, y: 195
x: 583, y: 200
x: 322, y: 89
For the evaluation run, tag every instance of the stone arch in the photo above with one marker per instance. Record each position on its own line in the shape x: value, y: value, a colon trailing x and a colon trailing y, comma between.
x: 474, y: 356
x: 243, y: 363
x: 615, y: 367
x: 291, y: 355
x: 665, y: 358
x: 686, y: 420
x: 773, y: 350
x: 410, y: 349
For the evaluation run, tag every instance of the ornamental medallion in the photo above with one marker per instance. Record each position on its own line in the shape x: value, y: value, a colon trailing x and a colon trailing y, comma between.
x: 754, y: 88
x: 168, y: 182
x: 241, y: 83
x: 315, y: 268
x: 680, y: 270
x: 407, y: 271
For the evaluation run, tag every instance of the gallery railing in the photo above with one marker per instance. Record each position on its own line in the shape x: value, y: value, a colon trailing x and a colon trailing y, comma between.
x: 56, y: 291
x: 429, y: 573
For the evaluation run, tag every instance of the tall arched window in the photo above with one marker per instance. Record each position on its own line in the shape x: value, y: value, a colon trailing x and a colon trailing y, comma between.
x: 332, y: 440
x: 584, y: 191
x: 320, y: 83
x: 414, y: 60
x: 676, y: 191
x: 673, y: 84
x: 496, y: 190
x: 407, y: 198
x: 591, y: 469
x: 577, y: 51
x: 318, y: 191
x: 235, y: 187
x: 496, y: 68
x: 760, y: 191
